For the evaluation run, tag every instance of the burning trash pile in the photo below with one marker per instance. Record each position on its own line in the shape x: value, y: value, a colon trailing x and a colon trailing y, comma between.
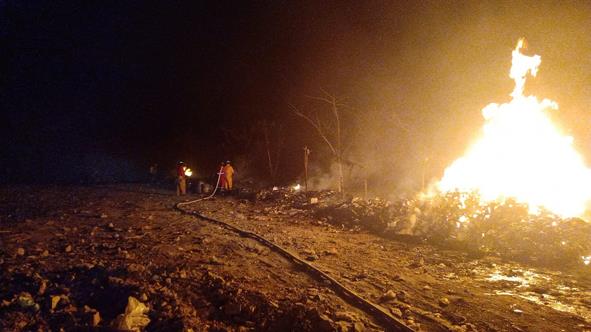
x: 294, y: 197
x: 462, y: 221
x: 374, y: 214
x: 504, y: 228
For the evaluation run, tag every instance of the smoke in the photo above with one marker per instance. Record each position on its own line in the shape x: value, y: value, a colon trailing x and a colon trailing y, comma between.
x: 323, y: 178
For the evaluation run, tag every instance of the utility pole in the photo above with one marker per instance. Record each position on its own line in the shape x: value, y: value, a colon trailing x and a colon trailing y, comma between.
x: 306, y: 153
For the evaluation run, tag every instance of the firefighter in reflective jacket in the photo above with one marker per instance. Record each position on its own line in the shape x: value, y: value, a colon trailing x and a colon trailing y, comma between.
x: 181, y: 182
x: 221, y: 177
x: 229, y: 174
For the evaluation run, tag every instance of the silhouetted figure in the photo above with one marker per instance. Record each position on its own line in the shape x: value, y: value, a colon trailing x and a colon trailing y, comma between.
x: 181, y: 187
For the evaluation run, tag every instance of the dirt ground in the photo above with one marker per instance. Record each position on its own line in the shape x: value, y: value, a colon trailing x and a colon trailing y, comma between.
x: 121, y: 257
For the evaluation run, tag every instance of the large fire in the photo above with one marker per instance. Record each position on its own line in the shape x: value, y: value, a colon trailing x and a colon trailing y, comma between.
x: 522, y: 154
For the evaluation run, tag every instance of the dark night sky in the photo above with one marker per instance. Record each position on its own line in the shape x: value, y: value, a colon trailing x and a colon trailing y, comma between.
x: 118, y: 85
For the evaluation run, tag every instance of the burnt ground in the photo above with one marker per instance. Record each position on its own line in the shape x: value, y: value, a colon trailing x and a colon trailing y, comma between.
x: 71, y: 258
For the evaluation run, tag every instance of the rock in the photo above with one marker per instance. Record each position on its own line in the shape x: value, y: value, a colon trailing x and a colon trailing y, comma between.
x: 397, y: 277
x: 312, y: 292
x: 55, y: 299
x: 346, y: 316
x: 214, y: 260
x: 20, y: 251
x: 332, y: 251
x: 93, y: 316
x: 426, y: 287
x: 25, y: 300
x: 68, y: 248
x: 388, y: 296
x: 215, y: 279
x: 325, y: 324
x: 42, y: 288
x: 419, y: 263
x: 104, y: 215
x: 444, y: 302
x: 401, y: 295
x: 396, y: 312
x: 45, y: 253
x: 143, y: 297
x: 134, y: 318
x: 470, y: 327
x: 135, y: 268
x: 343, y: 326
x: 358, y: 327
x: 312, y: 257
x: 95, y: 319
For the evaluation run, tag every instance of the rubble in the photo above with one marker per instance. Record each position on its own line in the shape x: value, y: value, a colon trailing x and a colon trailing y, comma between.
x: 460, y: 221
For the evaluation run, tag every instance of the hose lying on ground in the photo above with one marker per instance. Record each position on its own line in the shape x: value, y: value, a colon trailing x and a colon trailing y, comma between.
x: 217, y: 184
x: 390, y: 322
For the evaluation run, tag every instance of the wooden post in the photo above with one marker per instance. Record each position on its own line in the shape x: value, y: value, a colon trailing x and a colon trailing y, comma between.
x: 306, y: 153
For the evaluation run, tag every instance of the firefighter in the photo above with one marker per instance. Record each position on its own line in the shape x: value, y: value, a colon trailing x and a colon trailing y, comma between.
x: 221, y: 177
x: 181, y: 184
x: 229, y: 173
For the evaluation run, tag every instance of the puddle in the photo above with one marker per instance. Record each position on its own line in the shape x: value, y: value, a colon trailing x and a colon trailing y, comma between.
x: 519, y: 283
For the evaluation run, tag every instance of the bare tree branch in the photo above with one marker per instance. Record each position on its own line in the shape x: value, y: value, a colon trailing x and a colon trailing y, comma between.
x: 335, y: 144
x: 316, y: 125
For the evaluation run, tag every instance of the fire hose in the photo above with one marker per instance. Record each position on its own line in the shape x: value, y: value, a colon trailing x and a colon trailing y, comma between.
x: 217, y: 184
x: 390, y: 322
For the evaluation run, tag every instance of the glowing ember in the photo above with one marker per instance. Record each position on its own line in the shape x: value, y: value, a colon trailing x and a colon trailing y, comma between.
x: 297, y: 187
x: 188, y: 172
x: 522, y: 154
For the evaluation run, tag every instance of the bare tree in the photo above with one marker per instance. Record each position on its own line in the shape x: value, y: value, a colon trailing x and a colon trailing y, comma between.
x: 273, y: 144
x: 329, y: 130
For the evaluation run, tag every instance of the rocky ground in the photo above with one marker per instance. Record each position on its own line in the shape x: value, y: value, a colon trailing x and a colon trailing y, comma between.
x: 122, y: 257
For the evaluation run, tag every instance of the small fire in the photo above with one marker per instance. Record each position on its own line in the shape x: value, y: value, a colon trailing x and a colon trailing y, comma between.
x: 522, y: 154
x: 188, y: 172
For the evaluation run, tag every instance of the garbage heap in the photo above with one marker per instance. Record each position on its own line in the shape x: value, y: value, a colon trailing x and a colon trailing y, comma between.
x: 461, y: 221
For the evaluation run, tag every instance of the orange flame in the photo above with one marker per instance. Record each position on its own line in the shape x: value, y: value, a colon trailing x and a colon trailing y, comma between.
x: 522, y: 154
x: 188, y: 172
